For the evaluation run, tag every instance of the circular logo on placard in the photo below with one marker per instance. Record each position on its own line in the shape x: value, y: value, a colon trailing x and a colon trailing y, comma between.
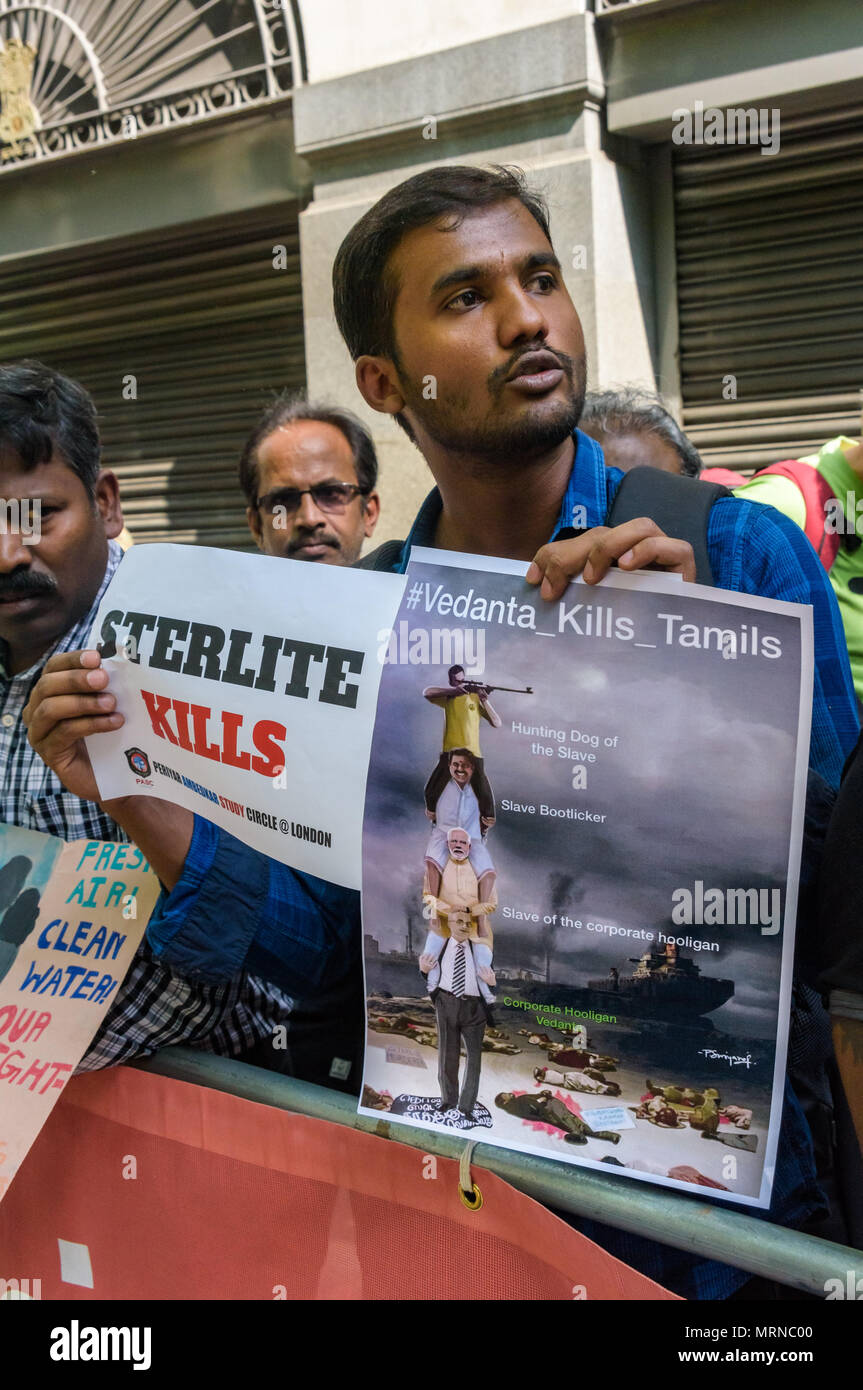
x: 138, y: 761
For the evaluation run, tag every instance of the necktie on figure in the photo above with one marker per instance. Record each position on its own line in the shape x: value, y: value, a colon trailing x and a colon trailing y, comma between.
x: 458, y: 970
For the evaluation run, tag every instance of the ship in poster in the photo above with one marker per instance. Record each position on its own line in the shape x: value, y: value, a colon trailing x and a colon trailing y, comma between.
x: 660, y: 985
x: 658, y: 988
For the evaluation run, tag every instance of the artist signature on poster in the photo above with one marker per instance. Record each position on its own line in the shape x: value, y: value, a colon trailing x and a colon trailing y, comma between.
x: 729, y: 1057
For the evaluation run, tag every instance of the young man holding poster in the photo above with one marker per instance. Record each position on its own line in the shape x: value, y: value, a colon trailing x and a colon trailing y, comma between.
x: 451, y: 278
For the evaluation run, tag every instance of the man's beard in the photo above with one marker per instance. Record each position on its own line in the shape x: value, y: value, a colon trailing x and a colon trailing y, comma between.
x: 448, y: 423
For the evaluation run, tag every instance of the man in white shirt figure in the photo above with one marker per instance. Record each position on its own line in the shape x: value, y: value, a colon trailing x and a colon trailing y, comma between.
x: 457, y: 807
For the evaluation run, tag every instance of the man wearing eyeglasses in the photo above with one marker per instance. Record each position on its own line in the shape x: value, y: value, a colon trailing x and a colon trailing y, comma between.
x: 309, y: 473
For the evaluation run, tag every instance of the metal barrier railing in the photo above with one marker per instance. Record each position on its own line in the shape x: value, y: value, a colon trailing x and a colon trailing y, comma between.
x: 672, y: 1218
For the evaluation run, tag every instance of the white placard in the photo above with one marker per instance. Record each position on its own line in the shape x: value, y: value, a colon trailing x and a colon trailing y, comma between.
x: 248, y: 685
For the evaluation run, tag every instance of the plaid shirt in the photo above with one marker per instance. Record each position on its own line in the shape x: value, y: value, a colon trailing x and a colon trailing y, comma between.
x: 155, y: 1007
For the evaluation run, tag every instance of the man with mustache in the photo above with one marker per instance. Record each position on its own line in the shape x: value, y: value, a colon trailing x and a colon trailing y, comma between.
x: 451, y: 278
x: 309, y: 474
x: 51, y: 580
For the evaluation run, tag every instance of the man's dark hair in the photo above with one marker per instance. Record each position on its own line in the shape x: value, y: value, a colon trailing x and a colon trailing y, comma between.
x: 364, y: 289
x: 629, y: 410
x: 42, y: 413
x: 287, y: 408
x: 451, y: 672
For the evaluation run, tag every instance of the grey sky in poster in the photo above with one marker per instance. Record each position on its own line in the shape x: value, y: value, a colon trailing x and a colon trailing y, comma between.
x: 699, y: 786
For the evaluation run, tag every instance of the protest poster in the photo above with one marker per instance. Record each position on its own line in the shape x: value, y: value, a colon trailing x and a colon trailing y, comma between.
x: 71, y: 919
x: 254, y: 708
x: 611, y: 873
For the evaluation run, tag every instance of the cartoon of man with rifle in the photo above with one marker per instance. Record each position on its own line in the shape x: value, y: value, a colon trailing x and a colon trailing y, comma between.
x: 464, y: 704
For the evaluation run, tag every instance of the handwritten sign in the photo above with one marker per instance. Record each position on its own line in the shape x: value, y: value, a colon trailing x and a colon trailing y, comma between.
x: 71, y: 919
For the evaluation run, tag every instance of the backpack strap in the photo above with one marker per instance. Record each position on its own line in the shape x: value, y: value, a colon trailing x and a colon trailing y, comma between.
x: 383, y: 558
x: 679, y: 505
x: 817, y: 493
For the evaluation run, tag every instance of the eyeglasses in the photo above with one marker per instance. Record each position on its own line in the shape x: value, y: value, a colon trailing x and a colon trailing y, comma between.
x: 328, y: 497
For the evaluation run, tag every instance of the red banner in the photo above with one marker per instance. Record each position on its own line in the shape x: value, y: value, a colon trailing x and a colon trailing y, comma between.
x: 140, y: 1187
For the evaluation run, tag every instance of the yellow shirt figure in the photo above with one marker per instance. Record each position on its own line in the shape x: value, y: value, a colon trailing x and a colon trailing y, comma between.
x: 462, y: 714
x: 463, y: 710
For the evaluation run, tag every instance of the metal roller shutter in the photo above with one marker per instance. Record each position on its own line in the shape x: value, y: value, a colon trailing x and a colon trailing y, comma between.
x: 770, y: 290
x: 209, y: 329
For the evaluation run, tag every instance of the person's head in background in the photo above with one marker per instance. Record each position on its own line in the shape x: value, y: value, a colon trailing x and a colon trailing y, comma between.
x: 633, y: 427
x: 60, y: 508
x: 308, y: 472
